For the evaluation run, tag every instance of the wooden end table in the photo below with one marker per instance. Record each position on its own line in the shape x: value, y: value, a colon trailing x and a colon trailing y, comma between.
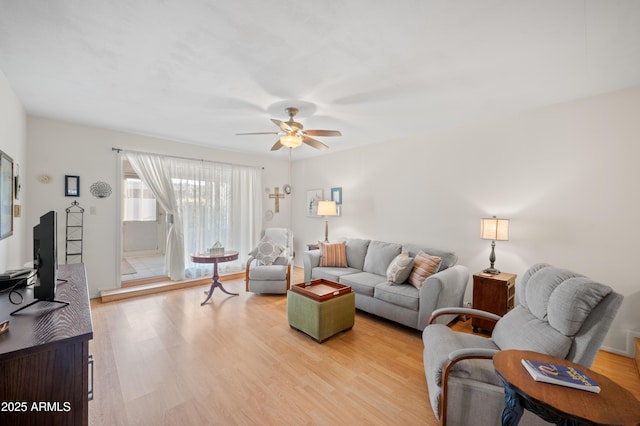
x: 561, y: 404
x: 227, y: 256
x: 492, y: 293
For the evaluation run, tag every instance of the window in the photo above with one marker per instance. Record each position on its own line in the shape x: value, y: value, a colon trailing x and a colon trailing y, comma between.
x: 139, y: 203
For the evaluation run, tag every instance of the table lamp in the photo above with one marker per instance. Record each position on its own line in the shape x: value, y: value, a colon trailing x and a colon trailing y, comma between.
x: 326, y: 209
x: 495, y: 230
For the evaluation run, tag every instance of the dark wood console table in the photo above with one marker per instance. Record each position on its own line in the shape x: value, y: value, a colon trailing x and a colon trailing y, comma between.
x: 44, y: 357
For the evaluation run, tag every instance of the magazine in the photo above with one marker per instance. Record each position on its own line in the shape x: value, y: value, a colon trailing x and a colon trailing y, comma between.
x: 560, y: 375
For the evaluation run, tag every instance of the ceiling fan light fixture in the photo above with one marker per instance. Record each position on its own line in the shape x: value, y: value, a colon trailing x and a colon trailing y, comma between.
x: 291, y: 141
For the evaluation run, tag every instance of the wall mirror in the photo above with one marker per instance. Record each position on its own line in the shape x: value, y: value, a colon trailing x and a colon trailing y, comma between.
x: 6, y: 195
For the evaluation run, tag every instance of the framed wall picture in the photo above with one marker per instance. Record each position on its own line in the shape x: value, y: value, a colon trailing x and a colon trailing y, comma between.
x: 6, y: 195
x: 16, y: 181
x: 71, y: 186
x: 336, y: 195
x: 313, y: 196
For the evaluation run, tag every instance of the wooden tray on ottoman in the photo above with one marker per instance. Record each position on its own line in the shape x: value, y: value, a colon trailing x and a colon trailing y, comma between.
x: 321, y: 289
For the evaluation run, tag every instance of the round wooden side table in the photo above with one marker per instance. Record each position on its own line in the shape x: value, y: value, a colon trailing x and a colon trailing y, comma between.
x: 614, y: 405
x: 227, y: 256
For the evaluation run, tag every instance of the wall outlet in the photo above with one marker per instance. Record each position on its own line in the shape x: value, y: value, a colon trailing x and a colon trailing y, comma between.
x: 466, y: 304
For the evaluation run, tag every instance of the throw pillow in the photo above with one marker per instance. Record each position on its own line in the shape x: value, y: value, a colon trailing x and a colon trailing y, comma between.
x: 268, y: 251
x: 399, y: 268
x: 333, y: 254
x: 424, y: 265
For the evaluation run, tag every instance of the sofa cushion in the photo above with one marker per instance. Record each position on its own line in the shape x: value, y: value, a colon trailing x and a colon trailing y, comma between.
x: 333, y: 254
x: 268, y: 272
x: 379, y: 256
x: 448, y: 258
x: 404, y: 295
x: 537, y: 289
x: 520, y: 329
x: 424, y: 265
x: 280, y: 236
x: 571, y: 303
x: 332, y: 274
x: 267, y: 251
x: 562, y: 297
x: 356, y: 251
x: 399, y: 269
x: 363, y: 282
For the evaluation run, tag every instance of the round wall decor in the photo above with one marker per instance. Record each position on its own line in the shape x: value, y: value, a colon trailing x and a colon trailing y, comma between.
x: 100, y: 189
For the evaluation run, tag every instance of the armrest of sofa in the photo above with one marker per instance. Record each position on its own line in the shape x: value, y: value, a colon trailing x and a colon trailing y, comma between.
x: 474, y: 313
x: 246, y: 271
x: 310, y: 260
x: 441, y: 290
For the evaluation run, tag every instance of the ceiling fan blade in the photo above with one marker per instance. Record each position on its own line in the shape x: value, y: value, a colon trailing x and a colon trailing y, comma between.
x: 276, y: 146
x: 322, y: 133
x: 258, y: 133
x: 314, y: 143
x: 283, y: 126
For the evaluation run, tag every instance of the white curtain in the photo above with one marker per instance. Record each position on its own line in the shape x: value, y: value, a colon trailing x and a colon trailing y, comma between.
x: 155, y: 172
x: 210, y: 202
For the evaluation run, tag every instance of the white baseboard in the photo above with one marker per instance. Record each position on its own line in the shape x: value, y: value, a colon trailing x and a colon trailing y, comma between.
x: 616, y: 351
x: 631, y: 344
x: 630, y: 350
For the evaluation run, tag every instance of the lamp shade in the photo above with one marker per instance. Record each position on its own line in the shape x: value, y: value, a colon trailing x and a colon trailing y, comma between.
x: 327, y: 208
x: 494, y: 229
x: 290, y: 141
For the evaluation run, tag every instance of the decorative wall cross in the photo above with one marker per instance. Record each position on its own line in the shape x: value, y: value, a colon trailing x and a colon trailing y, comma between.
x: 277, y: 195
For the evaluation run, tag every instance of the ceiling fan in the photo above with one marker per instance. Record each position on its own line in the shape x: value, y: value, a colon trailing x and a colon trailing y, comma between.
x: 292, y: 133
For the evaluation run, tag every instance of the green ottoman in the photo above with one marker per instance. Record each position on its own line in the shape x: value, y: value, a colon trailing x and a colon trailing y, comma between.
x: 321, y: 319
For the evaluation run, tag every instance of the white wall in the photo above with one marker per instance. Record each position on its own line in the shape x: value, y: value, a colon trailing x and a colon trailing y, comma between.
x: 13, y: 143
x: 57, y: 148
x: 567, y: 176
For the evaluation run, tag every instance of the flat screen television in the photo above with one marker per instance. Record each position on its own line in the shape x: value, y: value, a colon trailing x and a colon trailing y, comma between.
x: 45, y: 257
x: 45, y: 260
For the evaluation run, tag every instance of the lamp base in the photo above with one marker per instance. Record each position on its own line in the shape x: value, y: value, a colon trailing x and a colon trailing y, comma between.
x: 492, y: 271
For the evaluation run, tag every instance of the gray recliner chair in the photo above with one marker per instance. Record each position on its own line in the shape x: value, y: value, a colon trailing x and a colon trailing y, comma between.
x: 268, y: 269
x: 559, y: 313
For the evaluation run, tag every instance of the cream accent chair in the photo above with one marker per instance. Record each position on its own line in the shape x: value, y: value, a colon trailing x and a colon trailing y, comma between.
x: 559, y: 312
x: 272, y: 278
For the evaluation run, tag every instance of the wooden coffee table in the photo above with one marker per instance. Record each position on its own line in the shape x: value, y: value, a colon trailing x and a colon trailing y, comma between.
x: 227, y: 256
x: 560, y: 404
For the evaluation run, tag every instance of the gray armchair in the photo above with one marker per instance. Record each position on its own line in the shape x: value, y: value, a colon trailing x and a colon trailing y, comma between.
x: 559, y: 312
x: 268, y: 270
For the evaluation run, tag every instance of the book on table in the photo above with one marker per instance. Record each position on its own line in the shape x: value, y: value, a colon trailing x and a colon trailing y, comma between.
x: 560, y: 375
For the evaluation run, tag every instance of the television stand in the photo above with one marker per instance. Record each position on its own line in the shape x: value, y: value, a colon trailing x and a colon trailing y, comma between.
x: 38, y: 300
x: 45, y: 359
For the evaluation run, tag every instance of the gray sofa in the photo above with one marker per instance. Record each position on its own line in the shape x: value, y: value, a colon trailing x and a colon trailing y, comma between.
x: 367, y: 263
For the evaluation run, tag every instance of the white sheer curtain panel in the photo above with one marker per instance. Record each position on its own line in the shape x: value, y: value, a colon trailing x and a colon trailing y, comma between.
x: 155, y: 172
x: 220, y: 203
x: 246, y: 205
x: 210, y: 202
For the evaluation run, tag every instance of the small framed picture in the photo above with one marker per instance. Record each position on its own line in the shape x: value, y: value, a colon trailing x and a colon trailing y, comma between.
x: 336, y: 195
x: 313, y: 197
x: 71, y: 186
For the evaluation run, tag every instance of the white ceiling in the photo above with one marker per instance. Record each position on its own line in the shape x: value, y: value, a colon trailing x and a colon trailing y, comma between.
x: 201, y: 71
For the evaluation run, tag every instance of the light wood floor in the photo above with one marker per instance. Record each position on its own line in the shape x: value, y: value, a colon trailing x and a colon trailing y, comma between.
x: 164, y: 359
